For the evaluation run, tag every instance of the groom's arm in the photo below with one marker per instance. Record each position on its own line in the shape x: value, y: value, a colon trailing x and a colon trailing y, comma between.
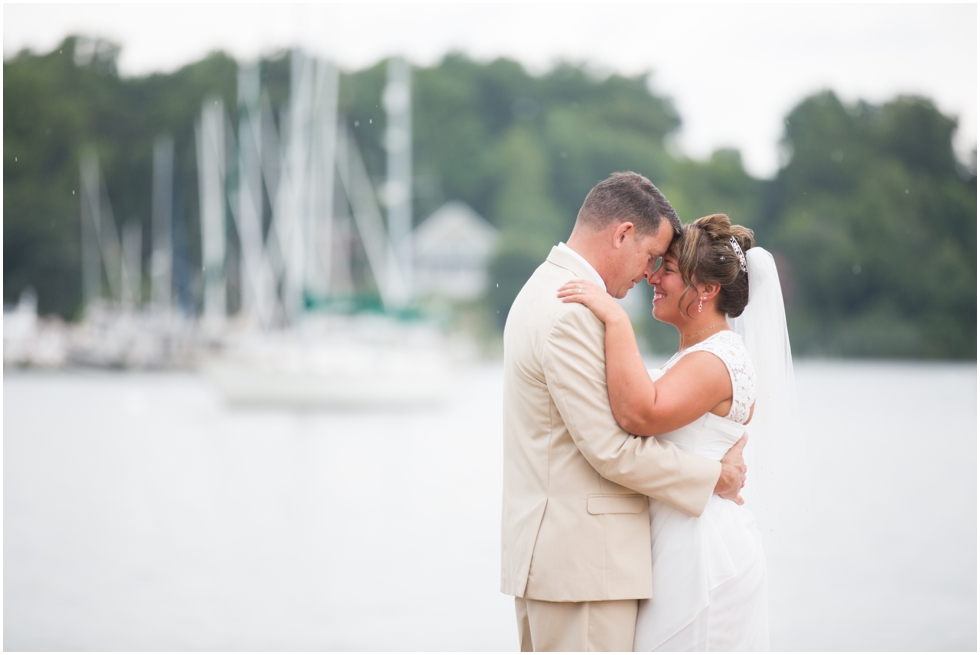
x: 575, y: 372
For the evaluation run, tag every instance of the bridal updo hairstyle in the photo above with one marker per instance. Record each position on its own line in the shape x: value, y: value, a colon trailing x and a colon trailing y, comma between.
x: 705, y: 255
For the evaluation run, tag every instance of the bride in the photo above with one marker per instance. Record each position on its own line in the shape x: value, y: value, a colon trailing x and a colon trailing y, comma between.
x: 709, y: 572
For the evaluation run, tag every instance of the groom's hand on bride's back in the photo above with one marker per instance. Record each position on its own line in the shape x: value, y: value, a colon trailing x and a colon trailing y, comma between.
x: 733, y: 469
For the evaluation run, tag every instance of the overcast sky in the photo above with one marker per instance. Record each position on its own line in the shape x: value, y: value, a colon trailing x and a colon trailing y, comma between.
x: 733, y: 71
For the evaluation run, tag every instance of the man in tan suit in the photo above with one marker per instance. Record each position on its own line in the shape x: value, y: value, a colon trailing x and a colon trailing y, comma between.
x: 575, y: 544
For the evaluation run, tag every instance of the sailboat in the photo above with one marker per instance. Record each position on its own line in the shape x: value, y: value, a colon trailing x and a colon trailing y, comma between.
x: 308, y: 340
x: 118, y: 330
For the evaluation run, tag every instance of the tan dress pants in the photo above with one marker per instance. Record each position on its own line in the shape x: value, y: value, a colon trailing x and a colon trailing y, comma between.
x: 603, y: 625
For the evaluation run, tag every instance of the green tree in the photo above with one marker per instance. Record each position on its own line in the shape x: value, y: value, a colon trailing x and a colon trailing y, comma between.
x: 877, y: 229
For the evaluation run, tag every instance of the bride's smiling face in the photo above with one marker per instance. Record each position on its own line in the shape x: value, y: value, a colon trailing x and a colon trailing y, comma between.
x: 668, y: 288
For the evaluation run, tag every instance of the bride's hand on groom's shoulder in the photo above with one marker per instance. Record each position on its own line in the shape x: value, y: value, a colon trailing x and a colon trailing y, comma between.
x: 594, y: 297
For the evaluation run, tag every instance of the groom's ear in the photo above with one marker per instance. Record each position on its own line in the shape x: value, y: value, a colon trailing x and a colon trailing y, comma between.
x: 622, y: 231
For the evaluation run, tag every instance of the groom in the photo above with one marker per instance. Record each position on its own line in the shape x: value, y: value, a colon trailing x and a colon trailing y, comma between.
x: 575, y: 544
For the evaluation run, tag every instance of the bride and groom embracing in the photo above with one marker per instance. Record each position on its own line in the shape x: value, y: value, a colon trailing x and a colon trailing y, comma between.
x: 613, y: 540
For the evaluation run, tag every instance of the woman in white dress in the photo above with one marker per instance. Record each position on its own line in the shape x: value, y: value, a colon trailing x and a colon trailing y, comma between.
x: 709, y: 572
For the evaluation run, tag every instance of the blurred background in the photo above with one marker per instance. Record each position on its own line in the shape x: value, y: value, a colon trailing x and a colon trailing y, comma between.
x: 257, y: 261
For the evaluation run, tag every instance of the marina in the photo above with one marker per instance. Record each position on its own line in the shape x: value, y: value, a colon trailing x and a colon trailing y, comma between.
x: 309, y: 328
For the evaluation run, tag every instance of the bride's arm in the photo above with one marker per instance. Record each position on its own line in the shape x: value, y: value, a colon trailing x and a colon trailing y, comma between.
x: 694, y: 386
x: 632, y: 392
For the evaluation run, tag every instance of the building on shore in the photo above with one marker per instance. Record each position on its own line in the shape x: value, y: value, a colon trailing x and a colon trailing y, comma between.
x: 453, y: 247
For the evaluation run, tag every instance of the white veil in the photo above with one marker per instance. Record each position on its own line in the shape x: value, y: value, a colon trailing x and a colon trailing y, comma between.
x: 774, y: 428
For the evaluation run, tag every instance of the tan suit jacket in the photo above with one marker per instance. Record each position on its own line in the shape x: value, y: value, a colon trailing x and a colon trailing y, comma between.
x: 575, y: 523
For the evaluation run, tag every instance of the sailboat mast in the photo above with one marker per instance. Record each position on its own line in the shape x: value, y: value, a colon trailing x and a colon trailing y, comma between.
x: 161, y: 259
x: 211, y: 182
x: 398, y: 189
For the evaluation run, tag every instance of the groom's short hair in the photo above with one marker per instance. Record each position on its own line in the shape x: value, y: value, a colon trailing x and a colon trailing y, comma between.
x: 627, y: 197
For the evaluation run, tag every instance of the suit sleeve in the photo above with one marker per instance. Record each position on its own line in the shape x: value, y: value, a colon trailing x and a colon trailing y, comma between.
x: 575, y: 372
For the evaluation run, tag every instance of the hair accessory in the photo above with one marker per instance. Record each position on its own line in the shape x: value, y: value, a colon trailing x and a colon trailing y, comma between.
x: 741, y: 256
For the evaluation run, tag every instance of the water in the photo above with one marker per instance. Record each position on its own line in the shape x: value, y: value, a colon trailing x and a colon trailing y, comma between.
x: 887, y: 555
x: 140, y: 513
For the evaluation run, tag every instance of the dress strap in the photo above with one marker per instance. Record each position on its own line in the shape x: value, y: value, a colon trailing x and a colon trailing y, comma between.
x: 728, y: 347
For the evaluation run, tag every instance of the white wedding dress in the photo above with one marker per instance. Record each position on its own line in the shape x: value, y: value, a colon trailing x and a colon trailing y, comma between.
x: 709, y: 573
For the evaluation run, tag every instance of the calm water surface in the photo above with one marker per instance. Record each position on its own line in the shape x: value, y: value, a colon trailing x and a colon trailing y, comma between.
x: 140, y: 513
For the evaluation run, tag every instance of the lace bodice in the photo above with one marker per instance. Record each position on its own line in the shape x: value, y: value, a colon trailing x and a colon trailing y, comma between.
x: 728, y: 347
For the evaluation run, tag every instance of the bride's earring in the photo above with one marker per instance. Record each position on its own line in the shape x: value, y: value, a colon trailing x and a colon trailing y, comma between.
x: 700, y: 304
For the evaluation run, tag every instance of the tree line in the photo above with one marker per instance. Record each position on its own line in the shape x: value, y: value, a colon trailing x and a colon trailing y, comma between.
x: 871, y: 217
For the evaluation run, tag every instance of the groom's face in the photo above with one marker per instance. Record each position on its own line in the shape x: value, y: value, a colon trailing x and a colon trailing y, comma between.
x: 639, y: 258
